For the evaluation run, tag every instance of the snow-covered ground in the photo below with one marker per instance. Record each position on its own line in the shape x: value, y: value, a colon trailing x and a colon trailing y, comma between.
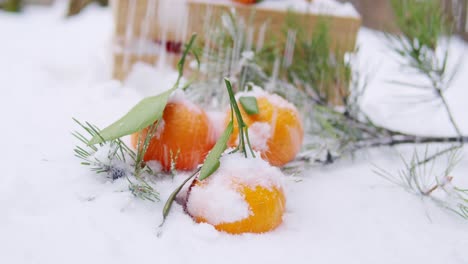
x: 53, y: 210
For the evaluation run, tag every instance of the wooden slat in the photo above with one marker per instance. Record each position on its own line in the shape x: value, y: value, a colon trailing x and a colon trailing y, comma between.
x: 343, y: 30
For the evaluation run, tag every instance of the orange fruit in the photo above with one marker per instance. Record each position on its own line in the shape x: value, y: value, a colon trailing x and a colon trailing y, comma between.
x: 210, y: 202
x: 184, y: 135
x: 276, y: 131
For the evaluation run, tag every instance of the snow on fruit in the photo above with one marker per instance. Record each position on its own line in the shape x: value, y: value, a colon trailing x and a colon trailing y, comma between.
x: 245, y: 195
x: 276, y: 131
x: 184, y: 136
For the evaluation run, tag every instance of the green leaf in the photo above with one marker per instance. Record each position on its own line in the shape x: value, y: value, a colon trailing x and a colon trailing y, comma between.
x: 249, y: 103
x: 142, y: 115
x: 170, y: 200
x: 180, y: 65
x: 211, y: 163
x: 146, y: 112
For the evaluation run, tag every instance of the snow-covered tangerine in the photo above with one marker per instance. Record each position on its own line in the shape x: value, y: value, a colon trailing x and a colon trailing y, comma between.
x: 184, y: 136
x: 239, y: 198
x: 267, y: 207
x: 276, y: 131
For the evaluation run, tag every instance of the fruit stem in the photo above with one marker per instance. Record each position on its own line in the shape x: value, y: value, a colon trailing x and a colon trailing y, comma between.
x: 243, y: 129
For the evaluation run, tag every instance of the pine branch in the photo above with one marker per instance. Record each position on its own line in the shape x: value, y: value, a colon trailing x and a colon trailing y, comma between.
x: 418, y: 177
x: 407, y: 139
x: 118, y: 159
x: 422, y: 24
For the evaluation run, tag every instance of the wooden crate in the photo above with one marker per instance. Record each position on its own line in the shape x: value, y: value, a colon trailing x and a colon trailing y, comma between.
x: 135, y: 23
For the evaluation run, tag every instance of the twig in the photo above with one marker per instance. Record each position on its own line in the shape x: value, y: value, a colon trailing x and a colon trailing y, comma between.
x: 407, y: 139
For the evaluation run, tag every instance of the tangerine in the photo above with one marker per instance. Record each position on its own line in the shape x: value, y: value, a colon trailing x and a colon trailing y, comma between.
x: 184, y: 136
x: 239, y: 198
x: 276, y: 131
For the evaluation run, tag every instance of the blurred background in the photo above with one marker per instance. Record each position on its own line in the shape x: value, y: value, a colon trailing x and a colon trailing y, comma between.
x: 376, y: 14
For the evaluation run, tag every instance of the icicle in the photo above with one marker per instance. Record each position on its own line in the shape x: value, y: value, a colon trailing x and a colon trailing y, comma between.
x: 249, y: 40
x: 129, y: 35
x: 162, y: 38
x: 274, y: 76
x: 172, y: 21
x: 289, y: 49
x: 145, y: 26
x: 207, y: 49
x: 236, y: 52
x: 261, y: 36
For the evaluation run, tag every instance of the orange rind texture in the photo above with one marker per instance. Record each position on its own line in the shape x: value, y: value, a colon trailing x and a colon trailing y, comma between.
x: 266, y: 207
x: 286, y: 130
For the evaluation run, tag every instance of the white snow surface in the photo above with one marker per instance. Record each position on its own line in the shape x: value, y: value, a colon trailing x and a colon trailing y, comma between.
x: 219, y: 199
x: 53, y: 210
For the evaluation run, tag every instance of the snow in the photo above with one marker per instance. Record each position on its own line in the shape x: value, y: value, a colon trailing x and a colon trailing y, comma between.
x: 259, y: 133
x: 218, y: 198
x: 53, y: 210
x: 274, y: 99
x: 179, y: 97
x: 149, y: 81
x: 218, y: 122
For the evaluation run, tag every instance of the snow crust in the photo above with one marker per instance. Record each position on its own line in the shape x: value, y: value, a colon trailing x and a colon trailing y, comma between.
x: 259, y: 133
x: 148, y: 80
x: 275, y: 99
x: 218, y: 199
x: 180, y: 97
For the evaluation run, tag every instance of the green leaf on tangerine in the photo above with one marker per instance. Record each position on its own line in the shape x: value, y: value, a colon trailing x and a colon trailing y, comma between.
x: 249, y: 103
x: 142, y: 115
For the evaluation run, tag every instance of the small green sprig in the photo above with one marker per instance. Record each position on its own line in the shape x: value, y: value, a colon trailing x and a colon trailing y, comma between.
x: 420, y: 178
x: 142, y: 147
x: 143, y: 190
x: 145, y: 114
x: 118, y: 151
x: 316, y: 68
x: 423, y: 24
